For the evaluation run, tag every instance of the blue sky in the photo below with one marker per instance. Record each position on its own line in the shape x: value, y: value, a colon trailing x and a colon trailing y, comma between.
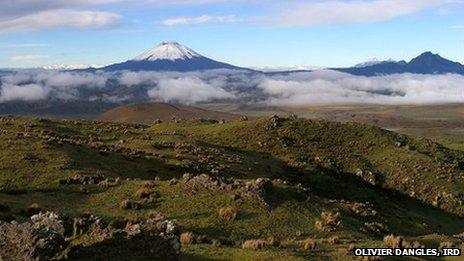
x: 245, y: 33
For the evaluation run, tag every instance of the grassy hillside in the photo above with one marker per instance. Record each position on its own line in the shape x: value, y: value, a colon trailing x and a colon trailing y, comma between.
x: 327, y: 186
x: 439, y: 122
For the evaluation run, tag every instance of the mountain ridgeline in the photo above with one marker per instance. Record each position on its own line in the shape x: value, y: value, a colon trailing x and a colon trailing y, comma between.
x: 426, y: 63
x: 172, y: 56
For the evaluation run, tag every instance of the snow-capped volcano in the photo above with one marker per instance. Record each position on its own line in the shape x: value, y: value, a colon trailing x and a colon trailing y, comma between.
x: 170, y: 56
x: 168, y: 51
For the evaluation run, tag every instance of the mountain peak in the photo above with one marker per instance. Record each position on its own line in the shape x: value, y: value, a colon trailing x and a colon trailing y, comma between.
x: 435, y: 62
x: 170, y: 56
x: 429, y: 55
x: 168, y: 51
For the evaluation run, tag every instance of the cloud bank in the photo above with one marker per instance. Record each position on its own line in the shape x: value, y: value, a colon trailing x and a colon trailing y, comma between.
x: 328, y: 87
x: 204, y: 19
x: 18, y: 16
x: 57, y: 19
x: 294, y: 89
x: 187, y: 90
x: 333, y: 12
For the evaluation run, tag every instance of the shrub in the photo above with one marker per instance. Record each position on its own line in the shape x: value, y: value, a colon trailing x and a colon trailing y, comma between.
x: 309, y: 244
x: 446, y: 244
x: 143, y: 193
x: 187, y: 238
x: 254, y: 244
x: 216, y: 243
x: 228, y: 213
x: 272, y: 241
x: 334, y: 240
x: 392, y: 241
x: 329, y: 222
x: 125, y: 204
x: 33, y: 209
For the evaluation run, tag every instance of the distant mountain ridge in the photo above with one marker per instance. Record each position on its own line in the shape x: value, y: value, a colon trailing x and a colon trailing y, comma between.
x: 174, y: 57
x: 426, y: 63
x: 170, y: 56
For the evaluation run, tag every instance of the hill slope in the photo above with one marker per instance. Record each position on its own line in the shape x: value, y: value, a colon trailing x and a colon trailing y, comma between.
x: 149, y: 112
x: 299, y: 183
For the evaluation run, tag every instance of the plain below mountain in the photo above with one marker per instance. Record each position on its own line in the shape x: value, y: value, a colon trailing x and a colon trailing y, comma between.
x: 148, y: 113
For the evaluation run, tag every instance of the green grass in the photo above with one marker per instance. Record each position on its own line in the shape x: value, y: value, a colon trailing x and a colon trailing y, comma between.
x: 322, y: 156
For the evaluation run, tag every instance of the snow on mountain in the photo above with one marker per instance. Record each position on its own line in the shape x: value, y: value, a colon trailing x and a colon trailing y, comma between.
x: 71, y: 66
x: 170, y: 56
x: 426, y: 63
x: 168, y: 51
x: 373, y: 61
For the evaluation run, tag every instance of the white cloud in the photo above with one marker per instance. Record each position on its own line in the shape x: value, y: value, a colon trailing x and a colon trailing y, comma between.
x: 459, y: 26
x: 204, y: 19
x: 39, y: 85
x: 27, y: 57
x: 22, y: 45
x: 71, y: 80
x: 29, y: 92
x: 294, y: 89
x: 57, y: 19
x: 333, y: 12
x: 188, y: 2
x: 17, y: 8
x: 328, y: 87
x: 187, y: 90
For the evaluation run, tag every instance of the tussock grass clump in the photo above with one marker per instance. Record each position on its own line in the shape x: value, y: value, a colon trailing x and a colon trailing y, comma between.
x: 228, y: 213
x: 173, y: 182
x: 155, y: 215
x: 392, y: 241
x: 272, y: 241
x: 216, y: 243
x: 330, y: 221
x: 309, y: 244
x: 447, y: 244
x: 187, y: 238
x: 33, y: 209
x: 143, y: 193
x: 125, y: 204
x: 254, y: 244
x: 334, y: 240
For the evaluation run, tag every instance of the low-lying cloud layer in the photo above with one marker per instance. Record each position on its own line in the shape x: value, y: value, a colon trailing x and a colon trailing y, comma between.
x: 187, y: 90
x: 328, y: 87
x: 302, y: 88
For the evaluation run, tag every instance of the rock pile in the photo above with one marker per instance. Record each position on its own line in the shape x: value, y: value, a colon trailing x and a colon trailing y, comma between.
x: 82, y: 180
x: 40, y: 239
